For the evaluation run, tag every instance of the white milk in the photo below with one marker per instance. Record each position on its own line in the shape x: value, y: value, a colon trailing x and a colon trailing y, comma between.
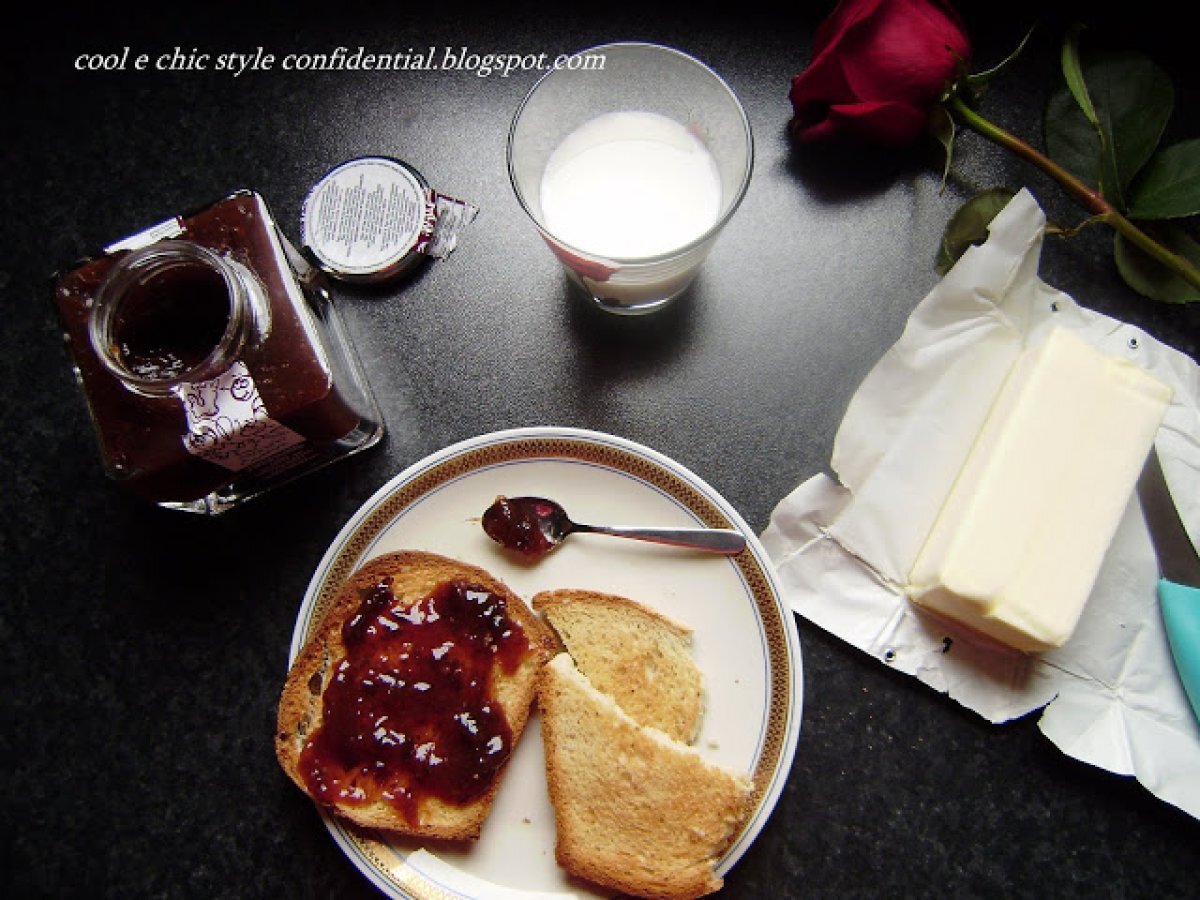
x: 629, y: 185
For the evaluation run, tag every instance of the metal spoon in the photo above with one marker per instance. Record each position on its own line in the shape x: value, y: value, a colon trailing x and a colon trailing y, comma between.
x: 534, y: 526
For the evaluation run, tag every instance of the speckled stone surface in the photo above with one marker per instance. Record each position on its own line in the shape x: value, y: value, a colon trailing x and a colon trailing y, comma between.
x: 146, y: 648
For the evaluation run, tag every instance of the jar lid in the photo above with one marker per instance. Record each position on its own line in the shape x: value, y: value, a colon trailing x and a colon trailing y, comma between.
x: 365, y: 219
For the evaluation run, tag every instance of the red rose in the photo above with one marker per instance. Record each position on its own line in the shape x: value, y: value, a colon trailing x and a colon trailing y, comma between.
x: 878, y: 68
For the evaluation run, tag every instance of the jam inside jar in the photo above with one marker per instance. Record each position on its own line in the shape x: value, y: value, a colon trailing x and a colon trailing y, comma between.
x: 169, y: 321
x: 213, y: 363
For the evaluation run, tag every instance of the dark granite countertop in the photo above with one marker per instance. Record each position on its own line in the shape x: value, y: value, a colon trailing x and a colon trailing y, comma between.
x: 147, y: 648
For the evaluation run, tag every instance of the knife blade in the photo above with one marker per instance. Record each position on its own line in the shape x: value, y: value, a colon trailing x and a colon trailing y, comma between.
x: 1179, y: 575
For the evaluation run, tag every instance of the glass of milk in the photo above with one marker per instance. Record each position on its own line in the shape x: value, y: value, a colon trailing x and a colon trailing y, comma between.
x: 630, y: 158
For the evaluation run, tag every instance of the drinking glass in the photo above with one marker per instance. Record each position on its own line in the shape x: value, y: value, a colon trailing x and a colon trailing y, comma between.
x: 630, y: 158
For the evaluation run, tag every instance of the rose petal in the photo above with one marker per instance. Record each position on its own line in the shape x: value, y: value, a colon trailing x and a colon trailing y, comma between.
x: 879, y: 122
x: 878, y: 68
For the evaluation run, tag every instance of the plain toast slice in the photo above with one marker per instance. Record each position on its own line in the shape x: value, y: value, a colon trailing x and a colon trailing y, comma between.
x: 379, y: 748
x: 640, y: 657
x: 635, y: 810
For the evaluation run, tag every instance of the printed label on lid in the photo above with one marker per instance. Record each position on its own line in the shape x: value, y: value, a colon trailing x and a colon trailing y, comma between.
x: 364, y: 216
x: 370, y: 218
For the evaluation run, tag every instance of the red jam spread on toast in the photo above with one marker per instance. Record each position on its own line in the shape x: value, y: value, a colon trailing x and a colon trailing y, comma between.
x: 409, y: 712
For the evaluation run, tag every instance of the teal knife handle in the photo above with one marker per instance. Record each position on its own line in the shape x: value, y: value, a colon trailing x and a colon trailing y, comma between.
x: 1181, y: 617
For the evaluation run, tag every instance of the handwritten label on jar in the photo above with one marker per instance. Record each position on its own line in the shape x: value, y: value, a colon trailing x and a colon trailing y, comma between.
x: 227, y: 422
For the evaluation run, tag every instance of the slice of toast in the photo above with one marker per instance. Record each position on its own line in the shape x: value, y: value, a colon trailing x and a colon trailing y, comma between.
x: 638, y: 656
x: 401, y: 710
x: 635, y: 810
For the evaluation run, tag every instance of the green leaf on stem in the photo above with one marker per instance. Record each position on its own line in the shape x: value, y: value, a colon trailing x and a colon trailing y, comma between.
x: 969, y: 226
x: 1131, y: 98
x: 1169, y: 185
x: 978, y: 82
x: 1072, y: 68
x: 1070, y: 139
x: 1149, y: 277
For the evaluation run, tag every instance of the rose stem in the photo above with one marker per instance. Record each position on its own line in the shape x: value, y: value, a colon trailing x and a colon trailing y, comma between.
x: 1091, y: 199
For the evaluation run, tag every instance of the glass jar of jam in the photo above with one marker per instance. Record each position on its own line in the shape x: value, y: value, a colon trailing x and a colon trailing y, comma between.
x: 213, y: 363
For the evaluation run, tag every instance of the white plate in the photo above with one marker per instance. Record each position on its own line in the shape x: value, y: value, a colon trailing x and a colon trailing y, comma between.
x: 745, y: 639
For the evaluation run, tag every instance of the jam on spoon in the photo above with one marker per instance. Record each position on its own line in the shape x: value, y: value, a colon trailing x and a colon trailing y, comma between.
x: 533, y: 526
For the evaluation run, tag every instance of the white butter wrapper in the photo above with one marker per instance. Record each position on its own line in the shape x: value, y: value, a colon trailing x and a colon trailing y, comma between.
x: 842, y: 551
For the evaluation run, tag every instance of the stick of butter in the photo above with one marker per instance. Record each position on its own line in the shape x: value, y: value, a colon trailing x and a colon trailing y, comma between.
x: 1018, y: 543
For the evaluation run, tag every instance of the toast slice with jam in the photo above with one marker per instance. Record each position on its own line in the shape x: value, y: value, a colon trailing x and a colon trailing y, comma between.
x: 403, y: 707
